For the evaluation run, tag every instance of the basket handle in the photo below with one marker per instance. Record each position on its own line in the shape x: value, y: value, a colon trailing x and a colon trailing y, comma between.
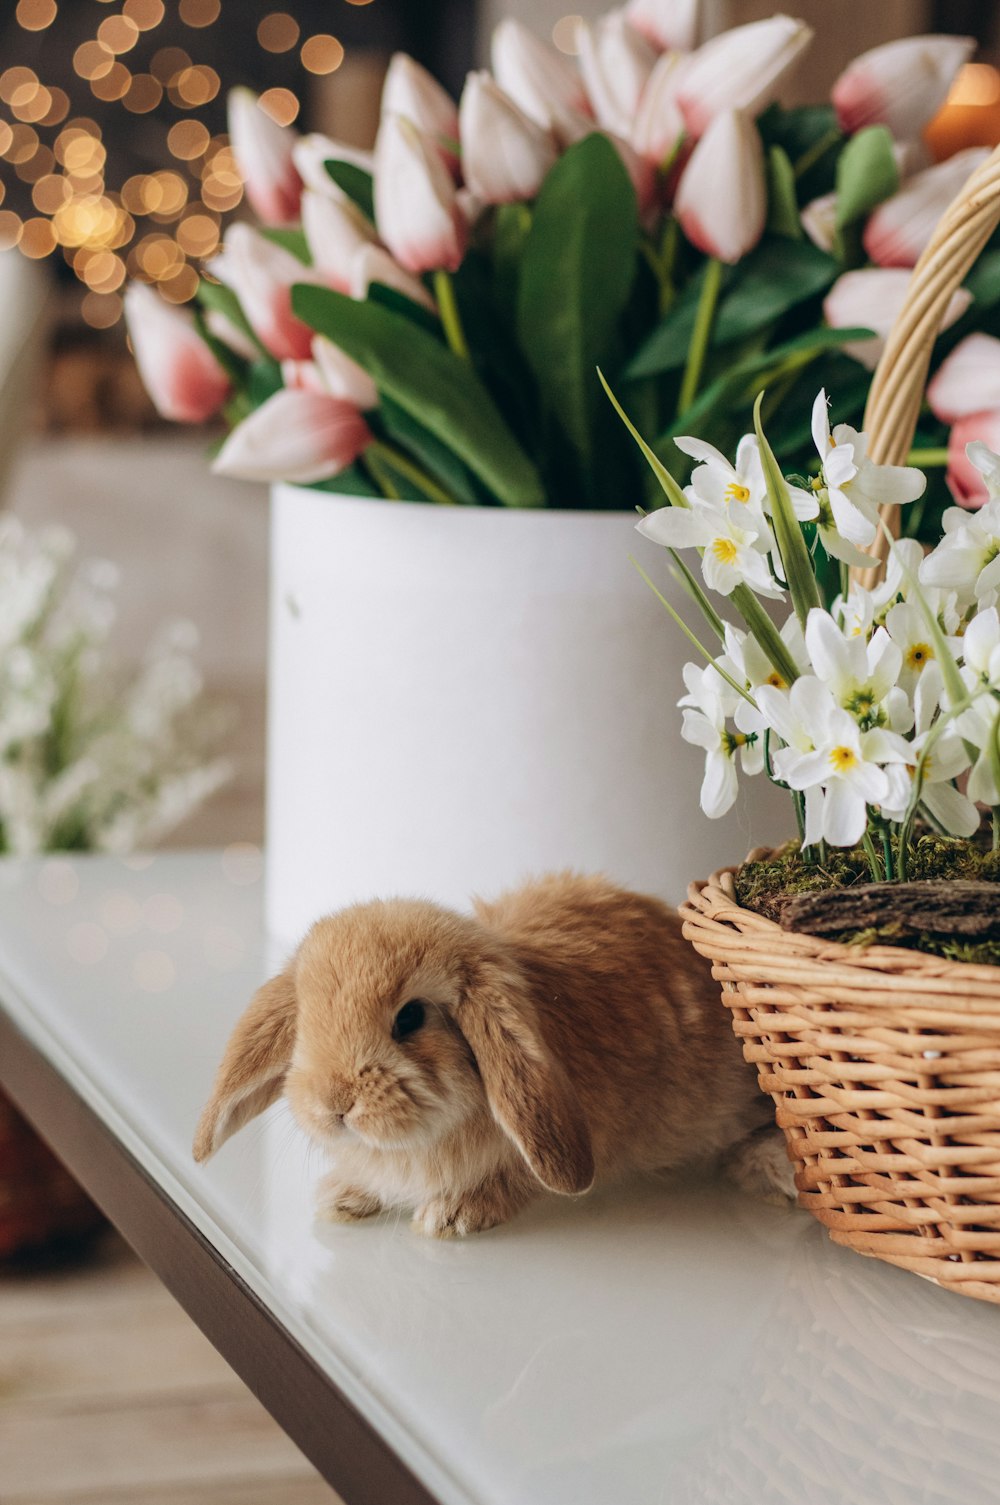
x: 897, y: 389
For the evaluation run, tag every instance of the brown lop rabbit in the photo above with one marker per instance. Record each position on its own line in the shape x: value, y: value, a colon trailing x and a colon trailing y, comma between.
x: 459, y: 1064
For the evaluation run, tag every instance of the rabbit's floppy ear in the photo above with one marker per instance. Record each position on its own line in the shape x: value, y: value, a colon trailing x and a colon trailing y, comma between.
x: 529, y: 1093
x: 253, y: 1068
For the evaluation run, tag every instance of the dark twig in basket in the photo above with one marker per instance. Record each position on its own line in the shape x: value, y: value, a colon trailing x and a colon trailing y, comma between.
x: 969, y: 910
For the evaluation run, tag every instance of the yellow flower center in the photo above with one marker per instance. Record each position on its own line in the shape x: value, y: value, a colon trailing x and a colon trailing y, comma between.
x: 724, y: 550
x: 775, y: 679
x: 737, y: 493
x: 843, y: 758
x: 917, y: 655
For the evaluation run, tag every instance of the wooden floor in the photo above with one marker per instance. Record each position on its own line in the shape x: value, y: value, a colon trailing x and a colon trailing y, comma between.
x: 110, y: 1396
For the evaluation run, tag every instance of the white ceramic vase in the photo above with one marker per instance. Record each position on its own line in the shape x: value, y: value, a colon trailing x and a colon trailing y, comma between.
x: 461, y: 698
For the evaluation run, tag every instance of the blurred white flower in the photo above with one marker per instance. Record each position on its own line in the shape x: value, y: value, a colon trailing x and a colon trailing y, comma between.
x: 707, y: 704
x: 855, y: 486
x: 967, y: 559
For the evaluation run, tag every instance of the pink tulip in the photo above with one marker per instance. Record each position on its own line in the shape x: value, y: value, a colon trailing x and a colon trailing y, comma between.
x: 262, y: 276
x: 543, y: 82
x: 180, y: 373
x: 819, y: 221
x: 659, y: 124
x: 415, y: 205
x: 505, y: 155
x: 302, y: 376
x: 312, y: 153
x: 900, y: 229
x: 668, y: 25
x: 642, y: 173
x: 616, y: 63
x: 721, y: 202
x: 373, y: 264
x: 871, y: 299
x: 230, y: 334
x: 342, y: 377
x: 968, y: 381
x: 900, y: 84
x: 967, y: 484
x: 413, y: 93
x: 263, y: 151
x: 740, y: 69
x: 297, y: 436
x: 335, y: 230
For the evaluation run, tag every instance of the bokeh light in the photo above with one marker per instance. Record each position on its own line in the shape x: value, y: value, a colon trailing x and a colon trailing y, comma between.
x: 278, y: 32
x: 322, y: 54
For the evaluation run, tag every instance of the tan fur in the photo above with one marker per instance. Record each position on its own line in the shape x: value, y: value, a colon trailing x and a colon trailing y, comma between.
x: 570, y: 1032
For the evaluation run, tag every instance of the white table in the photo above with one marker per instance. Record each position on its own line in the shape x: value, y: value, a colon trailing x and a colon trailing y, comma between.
x: 656, y: 1344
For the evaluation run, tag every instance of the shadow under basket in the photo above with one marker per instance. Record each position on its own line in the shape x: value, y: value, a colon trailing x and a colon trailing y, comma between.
x: 884, y: 1067
x: 44, y: 1215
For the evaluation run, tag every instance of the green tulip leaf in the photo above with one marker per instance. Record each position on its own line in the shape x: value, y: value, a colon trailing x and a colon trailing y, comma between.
x: 866, y: 174
x: 289, y: 240
x: 354, y: 481
x: 578, y: 267
x: 417, y: 313
x: 356, y: 183
x: 440, y: 462
x: 436, y: 387
x: 783, y: 208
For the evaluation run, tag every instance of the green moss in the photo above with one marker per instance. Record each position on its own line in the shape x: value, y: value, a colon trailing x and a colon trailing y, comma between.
x: 765, y: 886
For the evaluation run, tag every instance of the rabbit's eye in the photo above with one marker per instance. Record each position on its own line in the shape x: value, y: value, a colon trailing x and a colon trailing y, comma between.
x: 409, y: 1019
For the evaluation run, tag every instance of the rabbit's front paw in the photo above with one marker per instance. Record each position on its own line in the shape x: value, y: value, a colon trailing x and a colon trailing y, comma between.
x: 337, y: 1203
x: 485, y: 1206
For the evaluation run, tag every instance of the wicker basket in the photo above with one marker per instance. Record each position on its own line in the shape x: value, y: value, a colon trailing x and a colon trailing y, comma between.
x: 884, y: 1064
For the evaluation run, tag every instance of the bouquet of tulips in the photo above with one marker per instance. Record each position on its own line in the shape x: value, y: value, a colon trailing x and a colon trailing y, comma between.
x: 425, y: 321
x: 876, y: 708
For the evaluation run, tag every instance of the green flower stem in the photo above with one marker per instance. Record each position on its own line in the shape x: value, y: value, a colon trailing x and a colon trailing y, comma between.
x: 872, y: 855
x: 927, y: 459
x: 818, y: 149
x: 444, y: 291
x: 666, y: 264
x: 379, y: 454
x: 909, y: 819
x: 701, y: 337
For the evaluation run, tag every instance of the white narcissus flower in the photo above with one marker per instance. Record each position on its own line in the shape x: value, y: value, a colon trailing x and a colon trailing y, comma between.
x: 748, y: 664
x: 707, y: 704
x: 740, y: 69
x: 855, y: 485
x: 616, y: 63
x: 900, y: 229
x: 264, y: 155
x: 907, y: 626
x: 178, y: 370
x: 968, y: 380
x: 544, y: 83
x: 373, y: 264
x: 871, y: 299
x: 311, y: 154
x: 416, y: 209
x: 505, y: 154
x: 335, y: 231
x: 900, y: 84
x: 658, y: 127
x: 262, y: 276
x: 863, y: 678
x: 410, y: 91
x: 948, y: 758
x: 735, y: 547
x: 981, y: 651
x: 668, y: 25
x: 296, y: 436
x: 717, y: 480
x: 967, y: 559
x: 721, y: 201
x: 980, y: 727
x: 830, y: 759
x: 819, y: 221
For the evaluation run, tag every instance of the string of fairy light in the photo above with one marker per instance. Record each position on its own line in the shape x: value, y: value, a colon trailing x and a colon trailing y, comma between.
x: 157, y: 225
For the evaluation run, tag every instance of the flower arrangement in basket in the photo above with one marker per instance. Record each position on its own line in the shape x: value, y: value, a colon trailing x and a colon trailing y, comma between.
x: 424, y: 321
x: 861, y: 962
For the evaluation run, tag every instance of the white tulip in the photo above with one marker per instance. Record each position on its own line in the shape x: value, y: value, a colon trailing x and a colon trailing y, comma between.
x: 505, y: 154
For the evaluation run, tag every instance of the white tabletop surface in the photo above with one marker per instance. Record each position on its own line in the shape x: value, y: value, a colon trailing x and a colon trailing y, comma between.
x: 657, y: 1345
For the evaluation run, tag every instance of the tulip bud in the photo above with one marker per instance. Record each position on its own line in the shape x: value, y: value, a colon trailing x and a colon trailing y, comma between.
x: 819, y: 221
x: 543, y: 83
x: 505, y: 155
x: 968, y: 381
x: 415, y: 206
x: 179, y: 371
x: 659, y: 124
x: 335, y: 230
x: 302, y: 376
x: 373, y: 264
x: 966, y: 482
x: 262, y: 276
x: 312, y: 153
x: 342, y: 377
x: 297, y: 436
x: 642, y: 173
x: 263, y: 151
x: 668, y: 25
x: 740, y: 69
x: 721, y: 201
x: 415, y: 94
x: 236, y: 339
x: 900, y: 229
x: 616, y: 63
x: 871, y: 299
x: 900, y: 84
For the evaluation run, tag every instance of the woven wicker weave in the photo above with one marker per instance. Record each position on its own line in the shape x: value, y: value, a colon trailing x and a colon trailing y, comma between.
x: 884, y: 1064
